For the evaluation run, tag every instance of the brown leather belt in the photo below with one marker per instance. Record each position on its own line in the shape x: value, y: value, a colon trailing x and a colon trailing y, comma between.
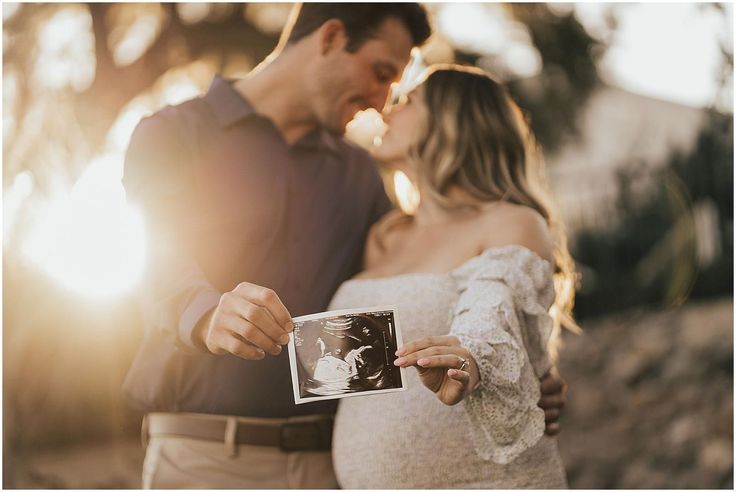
x: 310, y: 433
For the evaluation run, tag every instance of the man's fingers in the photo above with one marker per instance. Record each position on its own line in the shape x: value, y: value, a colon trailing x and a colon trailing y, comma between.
x: 552, y: 429
x: 551, y: 384
x: 232, y: 326
x: 269, y: 300
x: 244, y: 350
x: 551, y: 401
x: 551, y: 415
x: 258, y: 317
x: 251, y: 333
x: 225, y: 342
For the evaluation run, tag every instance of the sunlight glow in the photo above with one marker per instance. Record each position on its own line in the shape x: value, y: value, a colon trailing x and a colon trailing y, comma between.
x: 90, y: 240
x: 191, y: 13
x: 66, y: 50
x: 139, y: 36
x: 406, y: 193
x: 667, y: 51
x: 652, y: 68
x: 13, y: 200
x: 269, y: 17
x: 10, y: 9
x: 411, y: 75
x: 119, y: 135
x: 490, y: 31
x: 10, y: 94
x: 365, y: 128
x: 520, y: 60
x: 178, y: 86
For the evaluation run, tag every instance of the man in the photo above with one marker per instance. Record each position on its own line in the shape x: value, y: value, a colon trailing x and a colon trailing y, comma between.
x: 257, y: 210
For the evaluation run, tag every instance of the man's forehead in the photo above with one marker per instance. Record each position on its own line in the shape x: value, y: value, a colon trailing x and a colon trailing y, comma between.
x: 392, y: 44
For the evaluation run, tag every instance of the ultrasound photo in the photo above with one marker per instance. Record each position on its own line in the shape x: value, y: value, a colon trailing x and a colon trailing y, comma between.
x: 345, y: 353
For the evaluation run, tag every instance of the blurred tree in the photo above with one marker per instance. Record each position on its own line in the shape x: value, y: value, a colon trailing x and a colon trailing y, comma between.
x: 569, y: 75
x: 132, y: 46
x: 673, y: 238
x: 553, y: 98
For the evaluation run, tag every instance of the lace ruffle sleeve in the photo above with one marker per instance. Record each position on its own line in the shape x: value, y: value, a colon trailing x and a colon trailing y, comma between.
x: 501, y: 317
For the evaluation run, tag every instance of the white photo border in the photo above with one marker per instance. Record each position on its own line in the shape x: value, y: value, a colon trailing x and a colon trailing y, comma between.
x: 298, y: 399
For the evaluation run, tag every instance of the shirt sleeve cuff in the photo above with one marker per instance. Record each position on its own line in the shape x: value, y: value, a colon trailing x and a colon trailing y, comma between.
x: 200, y: 305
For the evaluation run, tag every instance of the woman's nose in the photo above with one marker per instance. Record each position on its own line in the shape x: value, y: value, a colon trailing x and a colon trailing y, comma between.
x: 386, y: 114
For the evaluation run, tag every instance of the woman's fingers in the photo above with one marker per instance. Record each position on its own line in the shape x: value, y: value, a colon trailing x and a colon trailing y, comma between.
x: 454, y: 392
x: 453, y: 361
x: 424, y: 343
x: 457, y: 353
x: 458, y: 375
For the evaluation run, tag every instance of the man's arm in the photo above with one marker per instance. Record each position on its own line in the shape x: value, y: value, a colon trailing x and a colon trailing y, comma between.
x: 176, y: 294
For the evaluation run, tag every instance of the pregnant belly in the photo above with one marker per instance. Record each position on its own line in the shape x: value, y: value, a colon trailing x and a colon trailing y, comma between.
x: 400, y: 440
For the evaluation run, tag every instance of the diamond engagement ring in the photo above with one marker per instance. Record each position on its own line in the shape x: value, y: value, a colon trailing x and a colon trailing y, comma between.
x: 466, y: 363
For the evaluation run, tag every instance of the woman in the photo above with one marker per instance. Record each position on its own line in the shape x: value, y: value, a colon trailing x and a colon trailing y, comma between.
x: 472, y: 275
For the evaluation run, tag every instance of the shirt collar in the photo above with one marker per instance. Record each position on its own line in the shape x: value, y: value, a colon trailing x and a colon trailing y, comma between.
x: 227, y: 103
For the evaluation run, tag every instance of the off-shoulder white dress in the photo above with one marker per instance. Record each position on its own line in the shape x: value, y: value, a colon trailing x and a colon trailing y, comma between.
x: 496, y: 303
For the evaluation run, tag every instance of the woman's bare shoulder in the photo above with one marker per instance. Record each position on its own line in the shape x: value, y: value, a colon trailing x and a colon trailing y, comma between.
x: 381, y: 235
x: 511, y: 224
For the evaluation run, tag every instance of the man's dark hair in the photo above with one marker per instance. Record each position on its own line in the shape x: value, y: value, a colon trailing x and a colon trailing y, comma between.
x: 361, y: 20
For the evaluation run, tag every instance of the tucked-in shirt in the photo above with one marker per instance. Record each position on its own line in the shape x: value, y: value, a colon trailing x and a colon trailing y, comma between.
x: 227, y: 200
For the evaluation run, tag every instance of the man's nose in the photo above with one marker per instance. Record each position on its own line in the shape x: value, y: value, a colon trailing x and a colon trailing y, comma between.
x: 379, y: 98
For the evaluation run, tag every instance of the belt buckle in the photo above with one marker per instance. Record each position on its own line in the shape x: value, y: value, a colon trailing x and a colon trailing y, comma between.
x: 301, y: 436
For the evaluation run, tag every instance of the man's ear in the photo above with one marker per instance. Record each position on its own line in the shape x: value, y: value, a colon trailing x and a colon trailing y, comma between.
x: 332, y: 36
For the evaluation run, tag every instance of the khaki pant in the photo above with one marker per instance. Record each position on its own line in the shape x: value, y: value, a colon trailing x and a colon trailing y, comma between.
x: 184, y: 463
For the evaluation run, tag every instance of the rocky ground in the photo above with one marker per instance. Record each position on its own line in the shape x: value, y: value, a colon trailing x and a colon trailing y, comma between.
x: 651, y: 400
x: 650, y: 406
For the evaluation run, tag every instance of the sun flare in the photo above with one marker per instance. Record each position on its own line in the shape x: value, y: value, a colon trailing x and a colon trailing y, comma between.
x: 90, y: 240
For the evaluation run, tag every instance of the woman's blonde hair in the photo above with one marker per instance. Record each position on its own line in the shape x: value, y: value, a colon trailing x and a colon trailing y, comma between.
x: 477, y: 138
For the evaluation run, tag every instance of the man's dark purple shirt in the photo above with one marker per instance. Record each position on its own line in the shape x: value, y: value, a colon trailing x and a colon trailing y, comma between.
x: 227, y: 200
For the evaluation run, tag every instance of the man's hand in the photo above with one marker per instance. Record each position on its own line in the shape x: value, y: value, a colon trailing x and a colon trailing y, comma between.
x: 248, y: 322
x: 554, y: 396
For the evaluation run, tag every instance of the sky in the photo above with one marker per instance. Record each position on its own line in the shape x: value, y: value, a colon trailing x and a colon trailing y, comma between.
x: 669, y: 51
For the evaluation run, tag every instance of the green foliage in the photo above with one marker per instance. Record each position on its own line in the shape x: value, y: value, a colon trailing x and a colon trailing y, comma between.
x: 552, y: 99
x: 569, y: 75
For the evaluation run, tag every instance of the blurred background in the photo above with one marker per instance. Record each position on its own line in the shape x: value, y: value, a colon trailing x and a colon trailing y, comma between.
x: 632, y: 104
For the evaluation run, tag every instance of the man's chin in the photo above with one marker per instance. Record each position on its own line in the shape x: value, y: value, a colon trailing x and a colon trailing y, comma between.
x: 337, y: 129
x: 338, y: 125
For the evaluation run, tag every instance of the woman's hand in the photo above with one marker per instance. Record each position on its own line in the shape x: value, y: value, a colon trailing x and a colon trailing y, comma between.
x: 440, y: 362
